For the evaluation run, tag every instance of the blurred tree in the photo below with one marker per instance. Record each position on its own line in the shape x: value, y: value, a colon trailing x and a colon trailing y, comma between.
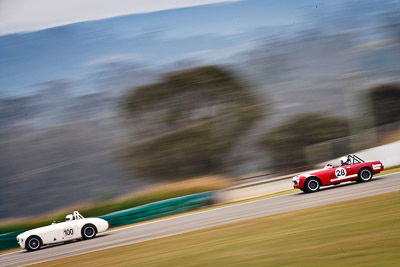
x: 288, y: 141
x: 188, y: 122
x: 386, y: 103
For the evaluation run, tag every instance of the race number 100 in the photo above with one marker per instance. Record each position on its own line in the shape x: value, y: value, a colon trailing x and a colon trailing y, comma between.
x: 68, y: 232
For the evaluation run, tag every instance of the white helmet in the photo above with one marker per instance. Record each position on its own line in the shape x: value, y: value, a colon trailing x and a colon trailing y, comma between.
x: 69, y: 217
x: 343, y: 160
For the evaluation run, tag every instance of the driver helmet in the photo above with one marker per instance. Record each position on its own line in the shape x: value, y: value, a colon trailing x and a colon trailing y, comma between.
x: 69, y: 217
x: 343, y: 160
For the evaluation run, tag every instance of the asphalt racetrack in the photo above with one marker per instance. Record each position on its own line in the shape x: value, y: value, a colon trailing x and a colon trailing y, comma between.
x: 208, y: 218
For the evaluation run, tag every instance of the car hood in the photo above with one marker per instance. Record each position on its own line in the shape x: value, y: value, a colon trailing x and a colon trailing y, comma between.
x: 36, y: 230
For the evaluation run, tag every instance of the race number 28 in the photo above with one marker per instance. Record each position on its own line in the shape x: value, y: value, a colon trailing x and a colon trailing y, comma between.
x: 68, y: 232
x: 340, y: 172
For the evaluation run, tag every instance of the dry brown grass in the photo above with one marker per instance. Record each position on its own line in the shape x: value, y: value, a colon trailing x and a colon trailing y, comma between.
x: 204, y: 183
x: 363, y: 232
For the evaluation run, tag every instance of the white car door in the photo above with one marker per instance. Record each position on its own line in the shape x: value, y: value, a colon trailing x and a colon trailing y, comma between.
x: 53, y: 234
x: 69, y: 230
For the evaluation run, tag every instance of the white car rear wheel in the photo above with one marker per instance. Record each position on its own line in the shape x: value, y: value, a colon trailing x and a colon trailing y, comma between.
x: 89, y: 231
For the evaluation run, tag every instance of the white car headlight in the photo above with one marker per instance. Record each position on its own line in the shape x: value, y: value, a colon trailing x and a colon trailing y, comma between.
x: 296, y: 179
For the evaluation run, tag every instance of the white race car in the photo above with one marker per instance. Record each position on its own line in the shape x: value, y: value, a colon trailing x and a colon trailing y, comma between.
x: 74, y: 227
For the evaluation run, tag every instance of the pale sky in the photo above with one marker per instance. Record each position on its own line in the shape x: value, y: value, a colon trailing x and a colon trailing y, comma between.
x: 32, y: 15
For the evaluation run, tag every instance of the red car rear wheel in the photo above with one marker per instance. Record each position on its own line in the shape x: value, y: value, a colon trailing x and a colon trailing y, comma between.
x: 364, y: 175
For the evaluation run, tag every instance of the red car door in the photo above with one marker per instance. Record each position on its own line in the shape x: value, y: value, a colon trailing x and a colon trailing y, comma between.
x: 325, y: 175
x: 342, y: 173
x: 351, y: 172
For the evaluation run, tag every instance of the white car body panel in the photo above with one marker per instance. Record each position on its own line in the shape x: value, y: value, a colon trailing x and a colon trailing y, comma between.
x: 63, y: 231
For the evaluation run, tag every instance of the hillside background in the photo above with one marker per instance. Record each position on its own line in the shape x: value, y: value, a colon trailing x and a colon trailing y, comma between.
x: 67, y: 136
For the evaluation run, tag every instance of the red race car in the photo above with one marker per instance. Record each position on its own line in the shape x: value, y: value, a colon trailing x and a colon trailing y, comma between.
x: 351, y: 168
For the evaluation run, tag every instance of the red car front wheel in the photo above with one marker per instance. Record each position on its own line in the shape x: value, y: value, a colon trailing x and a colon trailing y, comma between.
x: 311, y: 185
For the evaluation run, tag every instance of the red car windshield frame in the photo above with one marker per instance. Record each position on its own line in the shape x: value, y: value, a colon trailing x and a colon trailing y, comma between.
x: 355, y: 158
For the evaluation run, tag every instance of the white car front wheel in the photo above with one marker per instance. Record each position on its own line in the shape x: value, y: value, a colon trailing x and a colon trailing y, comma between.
x: 33, y: 243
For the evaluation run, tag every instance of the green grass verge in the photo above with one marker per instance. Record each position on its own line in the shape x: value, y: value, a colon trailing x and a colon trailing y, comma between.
x: 163, y: 192
x: 363, y: 232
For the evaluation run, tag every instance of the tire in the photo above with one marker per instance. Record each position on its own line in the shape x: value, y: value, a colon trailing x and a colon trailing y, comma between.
x: 311, y: 185
x: 364, y: 175
x: 89, y: 231
x: 33, y: 243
